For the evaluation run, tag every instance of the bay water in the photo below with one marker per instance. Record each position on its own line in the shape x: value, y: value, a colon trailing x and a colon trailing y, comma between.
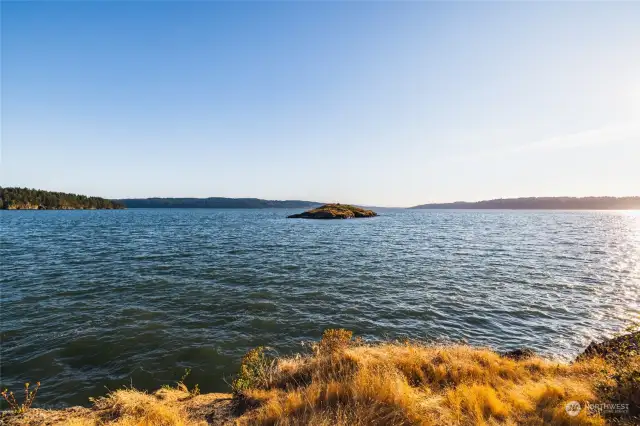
x: 93, y: 300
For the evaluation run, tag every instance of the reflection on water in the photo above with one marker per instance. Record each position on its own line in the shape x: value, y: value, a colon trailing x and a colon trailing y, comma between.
x: 95, y: 298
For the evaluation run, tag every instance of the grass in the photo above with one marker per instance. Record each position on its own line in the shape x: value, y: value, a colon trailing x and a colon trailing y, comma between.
x: 131, y: 407
x: 346, y: 381
x: 415, y: 384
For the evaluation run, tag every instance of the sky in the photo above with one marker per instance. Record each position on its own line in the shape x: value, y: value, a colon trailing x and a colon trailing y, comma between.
x: 373, y: 103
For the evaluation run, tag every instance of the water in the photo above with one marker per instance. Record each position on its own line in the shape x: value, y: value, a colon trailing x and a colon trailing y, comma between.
x: 95, y: 299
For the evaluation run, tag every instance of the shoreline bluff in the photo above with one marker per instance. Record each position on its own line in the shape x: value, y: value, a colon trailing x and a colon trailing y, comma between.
x: 347, y: 381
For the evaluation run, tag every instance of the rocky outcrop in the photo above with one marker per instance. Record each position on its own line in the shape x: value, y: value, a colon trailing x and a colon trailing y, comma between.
x: 24, y: 206
x: 616, y: 347
x: 335, y: 211
x: 519, y: 354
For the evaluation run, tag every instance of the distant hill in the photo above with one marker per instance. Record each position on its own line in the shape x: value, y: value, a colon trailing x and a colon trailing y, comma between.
x: 36, y: 199
x: 214, y: 203
x: 544, y: 203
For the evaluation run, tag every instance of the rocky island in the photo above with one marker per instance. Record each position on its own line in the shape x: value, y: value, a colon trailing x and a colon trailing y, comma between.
x: 334, y: 211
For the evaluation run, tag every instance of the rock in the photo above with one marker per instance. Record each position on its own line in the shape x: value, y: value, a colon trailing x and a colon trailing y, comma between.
x: 616, y: 347
x: 334, y: 211
x: 518, y: 354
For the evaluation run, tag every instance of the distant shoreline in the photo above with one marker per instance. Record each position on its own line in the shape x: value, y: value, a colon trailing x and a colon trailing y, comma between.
x: 215, y: 203
x: 33, y: 199
x: 541, y: 203
x: 36, y: 199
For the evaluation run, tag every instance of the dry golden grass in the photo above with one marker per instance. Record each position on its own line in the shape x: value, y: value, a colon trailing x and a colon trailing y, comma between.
x: 346, y: 382
x: 423, y: 385
x: 131, y: 407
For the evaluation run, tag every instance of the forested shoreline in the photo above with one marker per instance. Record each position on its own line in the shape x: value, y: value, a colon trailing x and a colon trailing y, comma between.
x: 543, y: 203
x: 36, y: 199
x: 213, y: 203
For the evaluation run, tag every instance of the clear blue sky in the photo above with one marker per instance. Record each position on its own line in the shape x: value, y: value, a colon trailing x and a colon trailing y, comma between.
x: 379, y: 103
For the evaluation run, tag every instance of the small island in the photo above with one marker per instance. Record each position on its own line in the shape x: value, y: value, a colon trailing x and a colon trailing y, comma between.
x: 334, y: 211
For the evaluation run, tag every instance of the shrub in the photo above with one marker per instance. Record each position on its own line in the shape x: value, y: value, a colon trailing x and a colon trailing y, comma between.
x: 195, y: 391
x: 334, y: 340
x: 254, y: 371
x: 29, y: 397
x: 620, y: 384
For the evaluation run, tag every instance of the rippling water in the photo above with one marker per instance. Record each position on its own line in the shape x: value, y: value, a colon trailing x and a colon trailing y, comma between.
x: 105, y: 298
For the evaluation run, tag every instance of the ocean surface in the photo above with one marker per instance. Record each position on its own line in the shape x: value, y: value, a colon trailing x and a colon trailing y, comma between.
x: 93, y: 300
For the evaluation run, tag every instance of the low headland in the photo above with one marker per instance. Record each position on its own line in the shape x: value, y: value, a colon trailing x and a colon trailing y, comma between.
x: 543, y: 203
x: 36, y: 199
x: 334, y: 211
x: 347, y: 381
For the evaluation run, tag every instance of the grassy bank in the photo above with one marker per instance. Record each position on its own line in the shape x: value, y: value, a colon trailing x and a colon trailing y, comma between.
x: 349, y: 382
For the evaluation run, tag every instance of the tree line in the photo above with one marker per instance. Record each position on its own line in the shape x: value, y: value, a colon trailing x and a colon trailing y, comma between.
x: 36, y: 199
x: 213, y: 203
x: 541, y: 203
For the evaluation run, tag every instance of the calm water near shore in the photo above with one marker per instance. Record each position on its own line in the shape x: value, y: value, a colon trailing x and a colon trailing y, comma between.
x: 105, y: 298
